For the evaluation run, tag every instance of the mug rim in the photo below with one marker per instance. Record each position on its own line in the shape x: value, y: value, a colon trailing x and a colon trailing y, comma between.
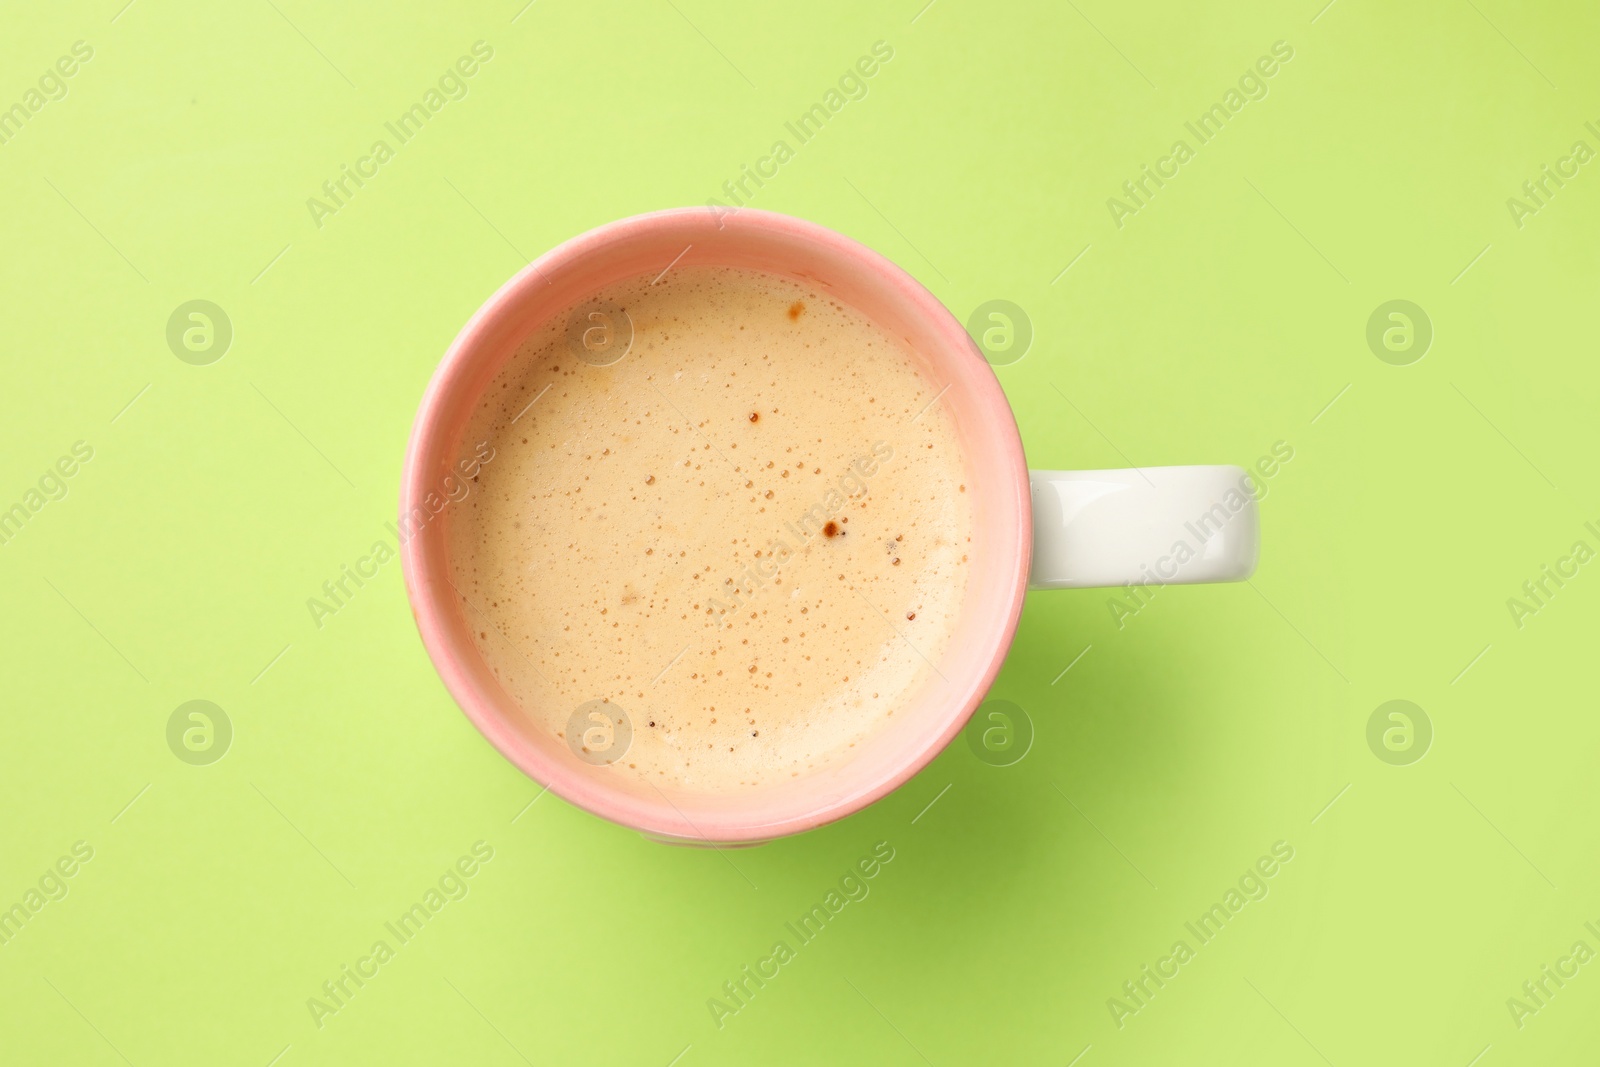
x: 431, y: 605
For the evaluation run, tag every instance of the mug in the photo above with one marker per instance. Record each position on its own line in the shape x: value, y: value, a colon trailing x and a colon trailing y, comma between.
x: 1046, y: 529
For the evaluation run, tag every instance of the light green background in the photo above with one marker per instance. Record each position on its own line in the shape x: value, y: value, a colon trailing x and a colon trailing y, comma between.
x: 1222, y: 318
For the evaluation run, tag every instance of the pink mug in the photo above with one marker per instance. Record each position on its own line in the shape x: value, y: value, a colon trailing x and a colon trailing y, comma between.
x: 1047, y: 529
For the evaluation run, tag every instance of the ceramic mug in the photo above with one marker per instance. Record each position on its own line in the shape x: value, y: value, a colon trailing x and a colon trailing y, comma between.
x: 1047, y: 529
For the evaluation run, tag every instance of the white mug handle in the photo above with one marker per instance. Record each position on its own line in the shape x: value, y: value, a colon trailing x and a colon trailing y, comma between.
x: 1145, y: 525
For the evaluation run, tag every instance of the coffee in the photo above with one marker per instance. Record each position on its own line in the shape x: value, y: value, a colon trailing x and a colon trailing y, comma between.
x: 724, y: 537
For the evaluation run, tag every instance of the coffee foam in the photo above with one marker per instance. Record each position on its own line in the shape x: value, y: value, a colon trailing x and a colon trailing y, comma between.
x: 749, y: 533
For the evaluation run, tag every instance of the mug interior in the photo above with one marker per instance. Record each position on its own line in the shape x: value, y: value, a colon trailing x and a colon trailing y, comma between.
x: 996, y: 480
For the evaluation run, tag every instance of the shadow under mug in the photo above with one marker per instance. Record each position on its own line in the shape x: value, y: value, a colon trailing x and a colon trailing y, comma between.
x: 1047, y: 529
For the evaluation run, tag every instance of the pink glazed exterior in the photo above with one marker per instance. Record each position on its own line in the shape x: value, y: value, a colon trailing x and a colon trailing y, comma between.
x: 844, y: 270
